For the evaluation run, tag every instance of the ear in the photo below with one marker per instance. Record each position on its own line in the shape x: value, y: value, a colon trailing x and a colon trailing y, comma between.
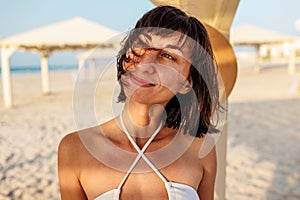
x: 186, y: 87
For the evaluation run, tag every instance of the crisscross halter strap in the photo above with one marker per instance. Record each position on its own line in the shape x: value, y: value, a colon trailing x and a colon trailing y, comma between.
x: 176, y: 191
x: 141, y: 153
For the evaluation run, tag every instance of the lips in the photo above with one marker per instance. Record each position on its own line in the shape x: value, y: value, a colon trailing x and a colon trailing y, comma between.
x: 141, y: 82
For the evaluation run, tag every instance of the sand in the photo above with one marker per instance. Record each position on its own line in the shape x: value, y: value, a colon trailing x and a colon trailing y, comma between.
x: 29, y: 136
x: 263, y: 159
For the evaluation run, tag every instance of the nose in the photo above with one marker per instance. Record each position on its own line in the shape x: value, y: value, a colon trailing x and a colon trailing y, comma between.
x: 148, y: 62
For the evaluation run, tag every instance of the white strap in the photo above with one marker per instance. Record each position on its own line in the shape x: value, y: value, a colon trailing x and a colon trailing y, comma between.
x: 141, y: 152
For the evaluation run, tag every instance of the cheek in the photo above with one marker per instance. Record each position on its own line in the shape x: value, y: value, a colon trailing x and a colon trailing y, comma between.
x: 172, y: 84
x: 173, y: 79
x: 185, y: 70
x: 127, y: 86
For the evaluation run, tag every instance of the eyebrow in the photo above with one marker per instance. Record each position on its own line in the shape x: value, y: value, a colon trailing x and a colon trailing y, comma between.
x: 170, y: 46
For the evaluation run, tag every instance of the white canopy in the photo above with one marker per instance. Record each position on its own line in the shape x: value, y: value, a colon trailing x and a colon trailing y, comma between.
x: 251, y: 35
x: 256, y: 36
x: 71, y: 34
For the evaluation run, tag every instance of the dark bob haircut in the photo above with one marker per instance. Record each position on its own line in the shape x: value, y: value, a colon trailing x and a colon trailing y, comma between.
x: 183, y: 111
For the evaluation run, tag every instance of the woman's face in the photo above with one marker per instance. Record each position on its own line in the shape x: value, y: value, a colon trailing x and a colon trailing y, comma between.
x: 157, y: 70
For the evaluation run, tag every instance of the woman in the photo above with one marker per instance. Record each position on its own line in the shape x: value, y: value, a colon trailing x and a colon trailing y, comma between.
x: 169, y: 85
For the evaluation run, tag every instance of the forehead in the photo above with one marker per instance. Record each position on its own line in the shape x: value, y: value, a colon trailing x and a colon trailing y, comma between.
x: 173, y: 41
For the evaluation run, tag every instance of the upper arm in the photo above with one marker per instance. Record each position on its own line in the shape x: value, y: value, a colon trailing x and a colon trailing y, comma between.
x: 68, y: 168
x: 206, y: 186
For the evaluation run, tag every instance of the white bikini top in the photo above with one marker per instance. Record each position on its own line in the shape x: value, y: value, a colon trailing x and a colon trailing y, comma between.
x: 176, y: 191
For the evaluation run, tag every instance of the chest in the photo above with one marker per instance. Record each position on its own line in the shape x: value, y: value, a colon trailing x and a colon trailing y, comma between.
x: 142, y: 183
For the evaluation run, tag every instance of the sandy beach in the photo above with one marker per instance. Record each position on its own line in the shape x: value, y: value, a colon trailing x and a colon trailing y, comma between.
x: 263, y: 159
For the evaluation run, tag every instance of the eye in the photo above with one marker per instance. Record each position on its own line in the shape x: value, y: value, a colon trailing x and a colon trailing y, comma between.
x: 168, y: 56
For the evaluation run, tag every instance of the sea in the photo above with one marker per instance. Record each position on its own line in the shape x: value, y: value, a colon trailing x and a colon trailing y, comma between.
x: 37, y: 68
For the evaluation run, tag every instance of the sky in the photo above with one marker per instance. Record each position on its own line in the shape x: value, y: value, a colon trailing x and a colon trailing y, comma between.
x: 17, y: 16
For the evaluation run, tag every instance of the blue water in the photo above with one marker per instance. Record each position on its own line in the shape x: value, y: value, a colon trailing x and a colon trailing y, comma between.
x: 37, y: 68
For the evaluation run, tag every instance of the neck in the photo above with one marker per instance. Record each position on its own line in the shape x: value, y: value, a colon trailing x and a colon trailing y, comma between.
x: 142, y: 120
x: 143, y: 114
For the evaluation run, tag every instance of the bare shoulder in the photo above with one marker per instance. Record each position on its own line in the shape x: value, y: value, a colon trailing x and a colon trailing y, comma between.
x: 204, y: 148
x: 72, y: 152
x: 72, y: 142
x: 70, y: 157
x: 69, y: 140
x: 80, y: 144
x: 69, y: 146
x: 207, y: 147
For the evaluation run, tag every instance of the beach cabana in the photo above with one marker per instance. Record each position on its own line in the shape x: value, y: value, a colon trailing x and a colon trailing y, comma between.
x: 72, y: 34
x: 217, y: 16
x: 249, y: 35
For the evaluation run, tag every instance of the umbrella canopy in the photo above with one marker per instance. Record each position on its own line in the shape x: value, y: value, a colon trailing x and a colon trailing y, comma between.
x: 73, y: 33
x: 251, y: 35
